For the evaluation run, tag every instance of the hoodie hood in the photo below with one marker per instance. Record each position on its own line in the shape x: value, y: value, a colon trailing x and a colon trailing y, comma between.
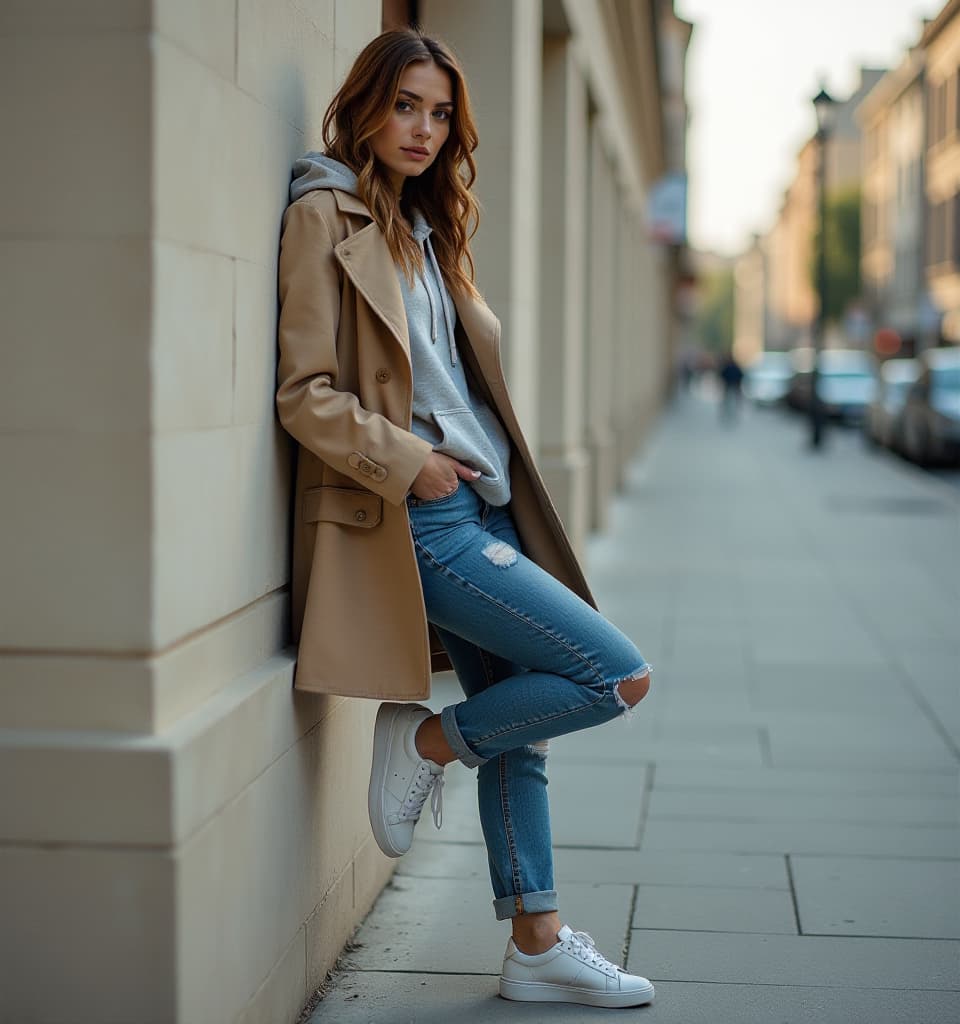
x: 314, y: 170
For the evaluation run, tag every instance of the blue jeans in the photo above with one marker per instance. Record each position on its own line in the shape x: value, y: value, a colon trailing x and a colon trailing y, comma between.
x: 534, y: 661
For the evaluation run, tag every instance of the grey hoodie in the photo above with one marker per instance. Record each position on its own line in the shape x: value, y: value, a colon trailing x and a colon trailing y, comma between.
x: 446, y: 412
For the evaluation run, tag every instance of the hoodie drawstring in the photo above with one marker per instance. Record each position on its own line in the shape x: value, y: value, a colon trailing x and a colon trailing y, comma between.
x: 448, y: 323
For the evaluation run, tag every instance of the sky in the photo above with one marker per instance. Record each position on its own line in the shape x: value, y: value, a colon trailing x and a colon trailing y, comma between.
x: 753, y: 67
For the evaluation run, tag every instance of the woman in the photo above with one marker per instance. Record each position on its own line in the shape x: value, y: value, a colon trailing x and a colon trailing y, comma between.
x: 420, y: 516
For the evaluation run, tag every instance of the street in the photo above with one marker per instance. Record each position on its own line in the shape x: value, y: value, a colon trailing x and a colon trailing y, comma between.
x: 774, y: 837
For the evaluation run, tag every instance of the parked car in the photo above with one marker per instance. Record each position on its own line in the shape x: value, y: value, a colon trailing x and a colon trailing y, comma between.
x: 883, y: 414
x: 929, y: 427
x: 846, y: 382
x: 768, y: 378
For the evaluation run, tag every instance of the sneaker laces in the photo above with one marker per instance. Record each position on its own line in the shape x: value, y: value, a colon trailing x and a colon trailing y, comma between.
x: 584, y: 948
x: 425, y: 783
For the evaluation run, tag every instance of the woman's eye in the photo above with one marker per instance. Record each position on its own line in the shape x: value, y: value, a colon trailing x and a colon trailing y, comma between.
x: 442, y: 115
x: 404, y: 105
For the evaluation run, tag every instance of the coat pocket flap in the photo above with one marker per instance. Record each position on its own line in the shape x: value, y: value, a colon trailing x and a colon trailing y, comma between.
x: 342, y: 505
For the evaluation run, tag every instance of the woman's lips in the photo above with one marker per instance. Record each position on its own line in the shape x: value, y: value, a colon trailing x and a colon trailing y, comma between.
x: 415, y: 154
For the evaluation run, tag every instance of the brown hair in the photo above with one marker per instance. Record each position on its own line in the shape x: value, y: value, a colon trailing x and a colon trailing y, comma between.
x: 443, y: 192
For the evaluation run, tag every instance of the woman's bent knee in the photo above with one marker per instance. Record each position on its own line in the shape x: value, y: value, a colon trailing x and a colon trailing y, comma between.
x: 632, y: 691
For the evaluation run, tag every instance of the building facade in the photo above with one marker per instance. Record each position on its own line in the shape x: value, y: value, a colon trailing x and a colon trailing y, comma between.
x: 791, y: 300
x: 941, y: 41
x: 183, y: 837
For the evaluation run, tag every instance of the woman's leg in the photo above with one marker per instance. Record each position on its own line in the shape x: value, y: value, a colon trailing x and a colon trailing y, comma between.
x: 479, y: 587
x: 513, y: 806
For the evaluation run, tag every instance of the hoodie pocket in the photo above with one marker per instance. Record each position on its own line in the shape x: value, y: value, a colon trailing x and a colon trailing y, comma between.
x: 465, y: 439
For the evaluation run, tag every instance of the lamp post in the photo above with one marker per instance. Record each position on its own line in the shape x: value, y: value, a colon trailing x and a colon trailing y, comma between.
x: 825, y: 106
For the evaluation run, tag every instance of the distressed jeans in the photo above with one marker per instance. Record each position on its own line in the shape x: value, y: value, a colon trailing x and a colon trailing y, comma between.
x: 534, y: 661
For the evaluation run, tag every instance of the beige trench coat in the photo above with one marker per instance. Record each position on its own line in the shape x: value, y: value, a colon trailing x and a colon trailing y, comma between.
x: 345, y: 394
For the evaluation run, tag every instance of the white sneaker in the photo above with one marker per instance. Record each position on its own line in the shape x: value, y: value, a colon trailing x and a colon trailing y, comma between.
x: 400, y: 779
x: 572, y: 971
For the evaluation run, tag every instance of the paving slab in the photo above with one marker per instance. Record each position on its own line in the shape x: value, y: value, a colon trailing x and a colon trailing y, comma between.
x: 872, y: 896
x: 783, y: 959
x: 808, y: 779
x: 417, y: 998
x: 447, y: 925
x: 654, y: 867
x: 714, y: 909
x: 759, y: 807
x: 868, y: 840
x: 617, y: 741
x: 605, y: 867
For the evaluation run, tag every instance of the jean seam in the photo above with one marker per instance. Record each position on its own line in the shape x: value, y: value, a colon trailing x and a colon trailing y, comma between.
x: 446, y: 570
x: 508, y: 826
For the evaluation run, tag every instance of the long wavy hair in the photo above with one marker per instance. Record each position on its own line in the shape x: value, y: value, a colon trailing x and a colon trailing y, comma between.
x: 442, y: 193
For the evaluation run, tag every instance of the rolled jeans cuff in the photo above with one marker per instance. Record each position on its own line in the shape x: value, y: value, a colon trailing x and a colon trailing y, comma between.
x: 528, y: 903
x: 448, y: 724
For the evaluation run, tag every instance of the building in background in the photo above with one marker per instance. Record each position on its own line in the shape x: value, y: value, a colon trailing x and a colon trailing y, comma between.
x: 893, y: 123
x: 941, y: 42
x: 750, y: 303
x: 182, y: 837
x: 788, y: 247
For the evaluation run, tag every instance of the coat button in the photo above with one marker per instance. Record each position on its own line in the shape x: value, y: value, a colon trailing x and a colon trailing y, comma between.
x: 360, y: 515
x: 383, y: 375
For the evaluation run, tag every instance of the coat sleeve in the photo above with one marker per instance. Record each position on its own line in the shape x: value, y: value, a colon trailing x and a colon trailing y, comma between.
x: 330, y: 423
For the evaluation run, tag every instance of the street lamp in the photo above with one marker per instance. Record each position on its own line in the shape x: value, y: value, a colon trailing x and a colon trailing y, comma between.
x: 825, y: 107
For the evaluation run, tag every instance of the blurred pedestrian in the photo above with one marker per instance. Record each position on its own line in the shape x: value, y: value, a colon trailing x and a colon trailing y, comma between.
x: 731, y: 380
x: 417, y: 501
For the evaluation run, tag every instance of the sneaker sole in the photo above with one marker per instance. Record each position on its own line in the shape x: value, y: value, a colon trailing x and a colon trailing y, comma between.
x: 544, y: 992
x: 386, y: 717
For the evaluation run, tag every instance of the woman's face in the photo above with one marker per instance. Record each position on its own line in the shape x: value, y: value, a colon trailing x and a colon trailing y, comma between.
x: 418, y: 125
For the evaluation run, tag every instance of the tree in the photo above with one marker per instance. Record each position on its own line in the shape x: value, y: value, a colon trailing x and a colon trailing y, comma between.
x: 843, y: 252
x: 714, y: 321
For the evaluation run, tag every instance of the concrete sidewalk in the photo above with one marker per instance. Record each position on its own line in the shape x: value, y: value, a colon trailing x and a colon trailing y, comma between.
x: 775, y: 838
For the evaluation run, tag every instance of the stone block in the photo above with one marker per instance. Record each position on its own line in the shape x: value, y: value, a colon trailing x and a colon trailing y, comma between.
x: 139, y: 694
x: 69, y: 911
x: 76, y: 691
x: 192, y: 352
x: 203, y: 122
x: 243, y: 891
x: 220, y: 494
x: 78, y: 364
x: 82, y: 790
x: 85, y: 93
x: 357, y: 22
x: 207, y: 31
x: 189, y: 673
x: 328, y: 928
x: 255, y: 324
x: 75, y: 546
x: 281, y: 997
x: 64, y: 17
x: 285, y: 57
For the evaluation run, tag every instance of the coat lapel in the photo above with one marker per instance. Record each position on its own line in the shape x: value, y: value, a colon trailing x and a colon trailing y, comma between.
x: 366, y: 260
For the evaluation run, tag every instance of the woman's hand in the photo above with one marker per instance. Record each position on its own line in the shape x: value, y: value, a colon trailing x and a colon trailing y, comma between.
x: 440, y: 476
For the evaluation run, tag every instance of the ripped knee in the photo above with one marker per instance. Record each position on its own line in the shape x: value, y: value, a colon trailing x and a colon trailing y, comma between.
x: 629, y: 692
